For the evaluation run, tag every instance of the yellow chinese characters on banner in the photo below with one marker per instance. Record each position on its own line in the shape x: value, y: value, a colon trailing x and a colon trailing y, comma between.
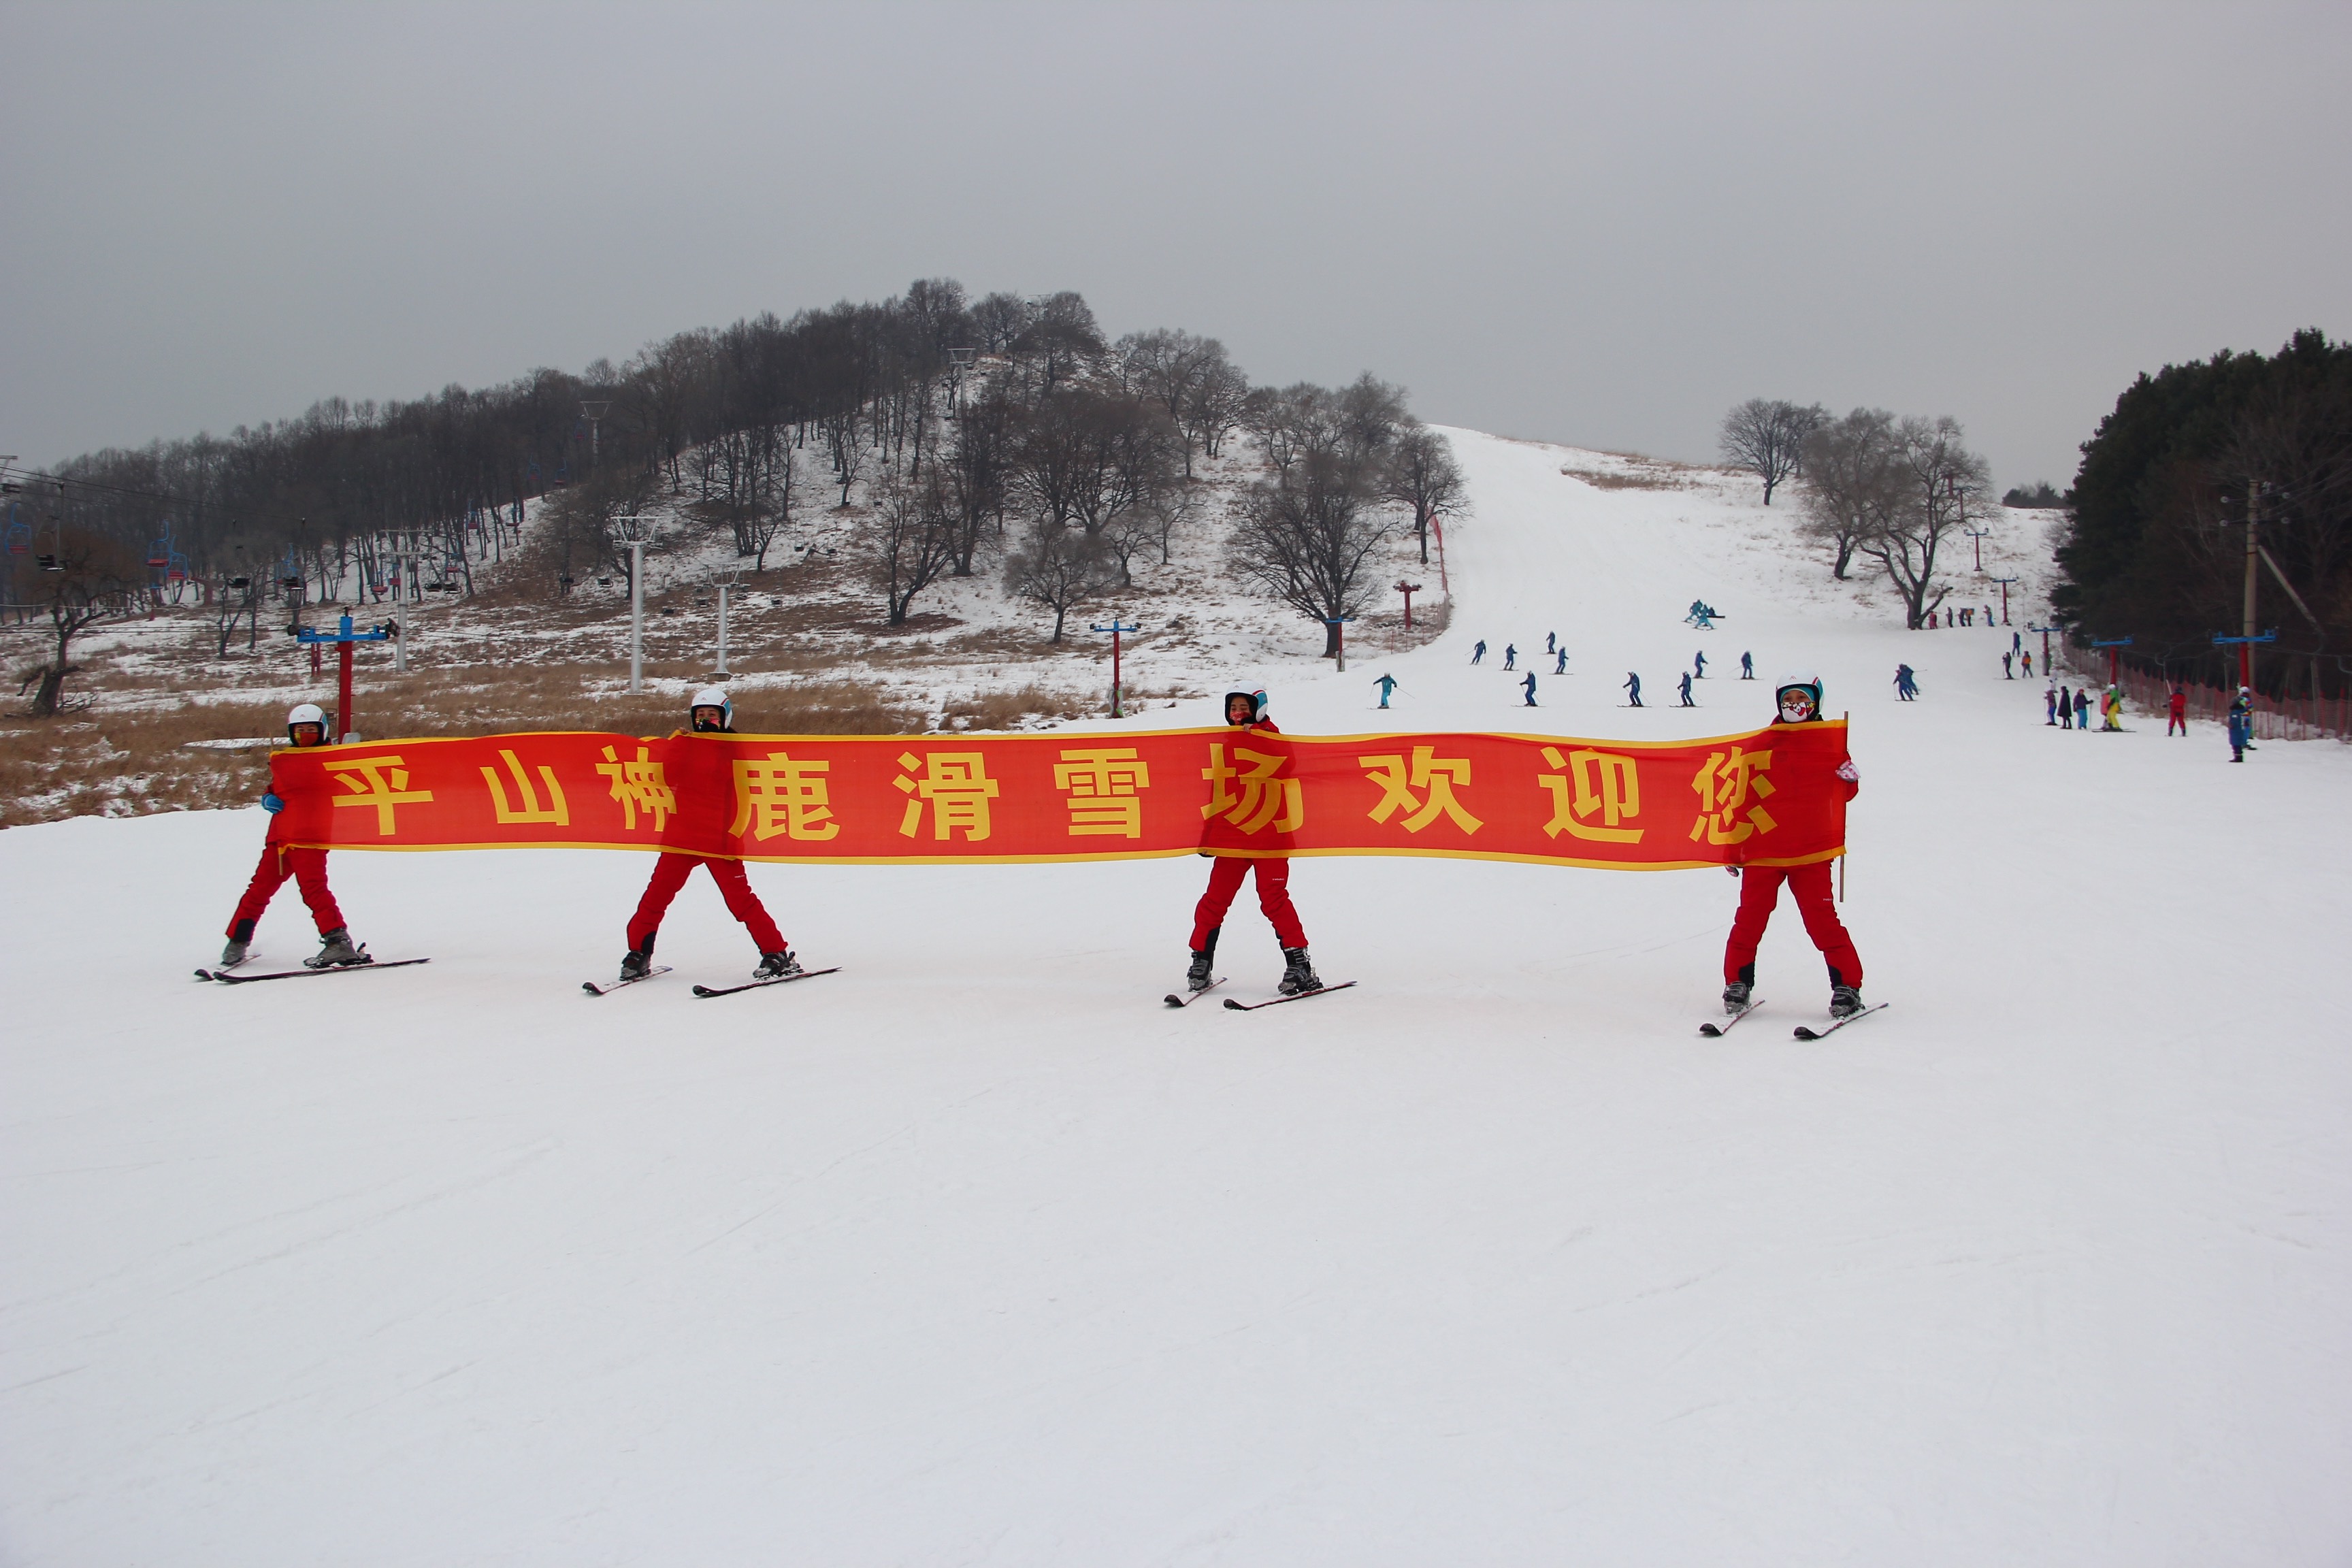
x: 777, y: 795
x: 1439, y: 777
x: 380, y: 783
x: 1603, y: 784
x: 1731, y: 789
x: 1105, y: 788
x: 639, y: 784
x: 1262, y: 800
x: 1767, y: 797
x: 956, y: 788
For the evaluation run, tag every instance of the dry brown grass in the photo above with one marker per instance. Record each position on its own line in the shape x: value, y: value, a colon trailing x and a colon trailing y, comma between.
x: 1629, y: 480
x: 1004, y: 709
x: 134, y: 761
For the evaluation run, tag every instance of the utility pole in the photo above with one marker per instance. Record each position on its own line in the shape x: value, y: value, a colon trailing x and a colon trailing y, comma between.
x: 2114, y: 673
x: 596, y: 412
x: 636, y: 599
x: 1408, y: 590
x: 2004, y: 583
x: 2253, y: 517
x: 1115, y: 629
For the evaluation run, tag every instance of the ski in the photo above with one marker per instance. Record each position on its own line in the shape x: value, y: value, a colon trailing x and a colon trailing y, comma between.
x: 1278, y: 1001
x: 225, y: 978
x: 1805, y: 1034
x: 594, y: 989
x: 220, y: 969
x: 1717, y: 1031
x: 1186, y: 998
x: 756, y: 984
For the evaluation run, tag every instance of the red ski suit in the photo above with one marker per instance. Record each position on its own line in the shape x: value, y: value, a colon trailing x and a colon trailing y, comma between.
x: 308, y: 869
x: 1760, y: 892
x: 1225, y: 874
x: 670, y: 873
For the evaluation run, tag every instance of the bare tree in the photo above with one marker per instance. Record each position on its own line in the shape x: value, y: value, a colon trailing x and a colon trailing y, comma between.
x: 977, y: 472
x: 1059, y: 569
x: 912, y: 536
x: 1421, y: 474
x: 1767, y: 436
x: 1306, y: 541
x: 89, y: 579
x: 1851, y: 484
x: 1941, y: 478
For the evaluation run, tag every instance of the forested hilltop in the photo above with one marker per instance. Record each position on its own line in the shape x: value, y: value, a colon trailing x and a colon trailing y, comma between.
x: 972, y: 419
x: 2157, y: 547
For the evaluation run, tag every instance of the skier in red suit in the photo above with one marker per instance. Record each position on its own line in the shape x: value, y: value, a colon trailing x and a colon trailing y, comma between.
x: 1246, y: 711
x: 304, y: 726
x: 712, y: 712
x: 1799, y: 699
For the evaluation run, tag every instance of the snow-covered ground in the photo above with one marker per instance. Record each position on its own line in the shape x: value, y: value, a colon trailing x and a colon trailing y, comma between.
x: 974, y: 1254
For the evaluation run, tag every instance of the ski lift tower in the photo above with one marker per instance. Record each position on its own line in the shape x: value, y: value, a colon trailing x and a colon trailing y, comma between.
x: 636, y: 532
x: 343, y: 637
x: 725, y: 582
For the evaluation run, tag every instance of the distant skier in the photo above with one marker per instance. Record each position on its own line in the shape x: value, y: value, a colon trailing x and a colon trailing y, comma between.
x: 306, y: 726
x: 1530, y: 684
x: 2176, y: 713
x: 1633, y: 684
x: 1799, y: 700
x: 2050, y: 704
x: 1246, y: 711
x: 1551, y: 643
x: 1699, y: 660
x: 2017, y: 644
x: 2005, y: 673
x: 2028, y: 654
x: 710, y: 713
x: 1511, y: 656
x: 2082, y: 708
x: 1561, y: 667
x: 2242, y: 725
x: 1906, y: 683
x: 1687, y: 696
x: 1479, y: 652
x: 2065, y: 707
x: 1387, y: 683
x: 2111, y: 709
x: 1747, y: 667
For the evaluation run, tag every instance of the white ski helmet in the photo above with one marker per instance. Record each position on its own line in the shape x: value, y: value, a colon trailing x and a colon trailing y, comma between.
x: 713, y: 697
x: 307, y: 713
x: 1255, y: 699
x: 1810, y: 685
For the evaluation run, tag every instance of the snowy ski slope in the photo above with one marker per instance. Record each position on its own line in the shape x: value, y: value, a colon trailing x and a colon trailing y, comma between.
x: 975, y: 1253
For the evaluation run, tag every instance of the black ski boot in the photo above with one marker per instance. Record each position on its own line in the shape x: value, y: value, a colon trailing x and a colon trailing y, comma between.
x: 637, y: 962
x: 1300, y: 977
x: 1198, y: 978
x: 233, y: 955
x: 776, y: 965
x: 336, y: 951
x: 1845, y: 1001
x: 1735, y: 997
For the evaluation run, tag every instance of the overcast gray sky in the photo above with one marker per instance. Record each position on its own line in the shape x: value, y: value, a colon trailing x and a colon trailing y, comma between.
x: 1597, y: 223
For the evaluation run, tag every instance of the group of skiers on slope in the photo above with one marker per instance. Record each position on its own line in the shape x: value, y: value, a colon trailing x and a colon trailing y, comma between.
x: 2071, y: 709
x: 711, y: 711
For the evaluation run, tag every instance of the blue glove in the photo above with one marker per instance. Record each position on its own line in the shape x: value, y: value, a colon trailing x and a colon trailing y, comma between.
x: 272, y: 805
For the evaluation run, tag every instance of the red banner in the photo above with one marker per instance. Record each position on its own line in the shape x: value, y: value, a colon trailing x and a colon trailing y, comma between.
x: 1769, y: 797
